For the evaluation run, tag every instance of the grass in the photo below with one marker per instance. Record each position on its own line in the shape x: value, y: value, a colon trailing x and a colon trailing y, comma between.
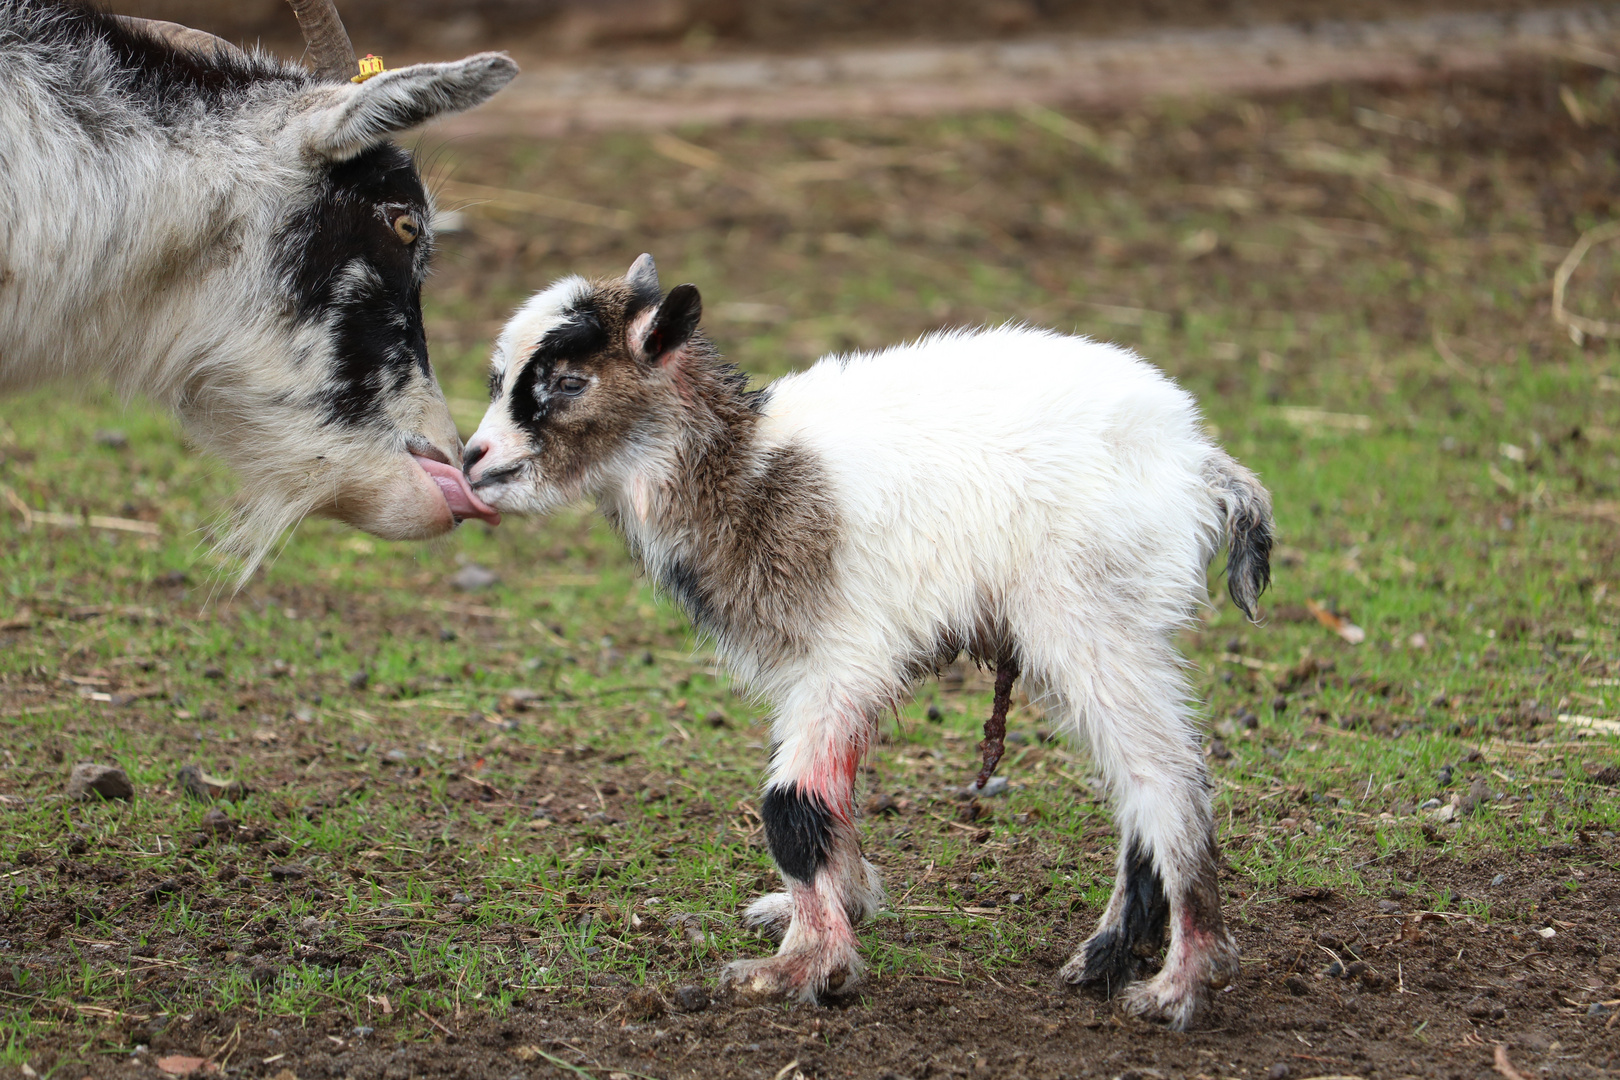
x: 1443, y: 460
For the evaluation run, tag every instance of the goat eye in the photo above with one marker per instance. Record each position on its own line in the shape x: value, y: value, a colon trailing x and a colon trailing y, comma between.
x: 406, y: 228
x: 572, y: 385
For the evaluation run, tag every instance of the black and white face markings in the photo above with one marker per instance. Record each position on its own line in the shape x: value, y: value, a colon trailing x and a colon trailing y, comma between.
x: 554, y: 375
x: 356, y: 257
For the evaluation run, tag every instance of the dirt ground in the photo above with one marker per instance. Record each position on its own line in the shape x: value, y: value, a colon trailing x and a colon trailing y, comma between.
x: 1408, y: 979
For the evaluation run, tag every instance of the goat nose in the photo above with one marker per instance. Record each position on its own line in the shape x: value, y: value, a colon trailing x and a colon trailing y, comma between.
x: 472, y: 455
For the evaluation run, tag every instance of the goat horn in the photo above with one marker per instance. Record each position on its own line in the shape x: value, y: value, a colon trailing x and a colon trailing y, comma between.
x: 181, y: 37
x: 331, y: 56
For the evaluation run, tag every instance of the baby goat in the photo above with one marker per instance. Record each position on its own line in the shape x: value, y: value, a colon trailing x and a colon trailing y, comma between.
x: 1046, y: 503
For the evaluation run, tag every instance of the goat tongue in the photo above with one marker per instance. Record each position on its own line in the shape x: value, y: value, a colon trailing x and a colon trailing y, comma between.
x: 463, y: 503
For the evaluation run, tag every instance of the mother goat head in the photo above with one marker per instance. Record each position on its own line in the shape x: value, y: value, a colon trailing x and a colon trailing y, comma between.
x: 236, y: 237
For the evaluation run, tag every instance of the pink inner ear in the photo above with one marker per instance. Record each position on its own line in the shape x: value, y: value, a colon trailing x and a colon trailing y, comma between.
x: 636, y: 333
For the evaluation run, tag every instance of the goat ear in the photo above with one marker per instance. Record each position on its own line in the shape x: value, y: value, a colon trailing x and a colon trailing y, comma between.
x: 672, y: 325
x: 643, y: 283
x: 360, y: 116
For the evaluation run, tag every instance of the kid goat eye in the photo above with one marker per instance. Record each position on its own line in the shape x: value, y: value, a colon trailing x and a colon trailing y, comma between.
x: 572, y: 385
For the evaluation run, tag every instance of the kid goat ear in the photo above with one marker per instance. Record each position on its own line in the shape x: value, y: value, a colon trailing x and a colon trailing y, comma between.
x: 672, y: 325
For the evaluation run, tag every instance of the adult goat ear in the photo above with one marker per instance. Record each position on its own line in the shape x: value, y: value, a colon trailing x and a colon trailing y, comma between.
x: 672, y: 325
x: 364, y: 114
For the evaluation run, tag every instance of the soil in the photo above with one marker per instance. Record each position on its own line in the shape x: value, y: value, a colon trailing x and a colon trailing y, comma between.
x: 574, y: 26
x: 1421, y: 994
x: 1415, y: 993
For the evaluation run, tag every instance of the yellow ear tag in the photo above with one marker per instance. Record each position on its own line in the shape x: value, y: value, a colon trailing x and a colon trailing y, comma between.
x: 371, y: 65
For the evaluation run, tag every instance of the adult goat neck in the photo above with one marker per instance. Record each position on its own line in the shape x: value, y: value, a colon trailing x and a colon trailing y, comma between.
x: 236, y: 237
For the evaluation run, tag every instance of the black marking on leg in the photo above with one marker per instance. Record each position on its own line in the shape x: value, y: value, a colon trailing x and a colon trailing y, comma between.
x: 798, y: 828
x: 1114, y: 957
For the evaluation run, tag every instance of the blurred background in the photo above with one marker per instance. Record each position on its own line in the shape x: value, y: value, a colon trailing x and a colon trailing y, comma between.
x: 567, y: 26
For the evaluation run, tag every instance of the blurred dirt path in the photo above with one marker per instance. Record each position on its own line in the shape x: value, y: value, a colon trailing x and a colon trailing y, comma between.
x: 549, y: 98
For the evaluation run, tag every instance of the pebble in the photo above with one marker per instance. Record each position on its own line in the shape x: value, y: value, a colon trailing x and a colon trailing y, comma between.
x: 1297, y: 986
x: 1430, y: 804
x: 286, y: 873
x: 691, y: 999
x: 995, y: 786
x: 934, y: 715
x: 1498, y: 880
x: 112, y: 438
x: 462, y: 898
x: 472, y: 577
x: 1279, y: 1071
x: 359, y: 679
x: 1445, y: 775
x: 1389, y: 907
x: 91, y: 781
x: 204, y: 788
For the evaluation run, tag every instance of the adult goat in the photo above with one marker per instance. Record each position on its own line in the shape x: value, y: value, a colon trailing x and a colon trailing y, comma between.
x: 236, y: 237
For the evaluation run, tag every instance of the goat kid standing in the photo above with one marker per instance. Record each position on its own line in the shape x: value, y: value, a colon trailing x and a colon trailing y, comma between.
x: 235, y: 237
x: 1046, y: 503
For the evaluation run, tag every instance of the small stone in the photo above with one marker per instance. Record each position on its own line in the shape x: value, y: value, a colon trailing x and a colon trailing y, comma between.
x: 286, y: 873
x: 1015, y: 898
x: 996, y: 785
x: 472, y: 577
x: 112, y: 438
x: 715, y: 719
x: 1279, y: 1071
x: 1430, y: 804
x: 462, y: 898
x: 263, y: 975
x: 166, y: 887
x: 76, y: 845
x: 362, y: 1031
x: 447, y: 634
x: 218, y: 821
x: 1218, y: 750
x: 204, y: 788
x: 1389, y: 907
x: 881, y: 805
x: 1444, y: 776
x: 359, y: 679
x: 934, y: 715
x: 1334, y: 970
x: 691, y: 999
x: 1297, y: 986
x: 1479, y: 793
x: 1499, y: 879
x: 644, y: 1003
x: 92, y: 781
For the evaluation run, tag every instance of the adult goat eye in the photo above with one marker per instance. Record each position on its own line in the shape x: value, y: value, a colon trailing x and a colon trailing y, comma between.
x: 406, y: 227
x: 572, y: 385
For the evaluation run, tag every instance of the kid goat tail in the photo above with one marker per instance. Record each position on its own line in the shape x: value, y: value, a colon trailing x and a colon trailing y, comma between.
x: 1247, y: 508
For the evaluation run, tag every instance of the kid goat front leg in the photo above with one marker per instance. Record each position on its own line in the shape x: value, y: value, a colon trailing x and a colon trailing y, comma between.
x: 808, y: 809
